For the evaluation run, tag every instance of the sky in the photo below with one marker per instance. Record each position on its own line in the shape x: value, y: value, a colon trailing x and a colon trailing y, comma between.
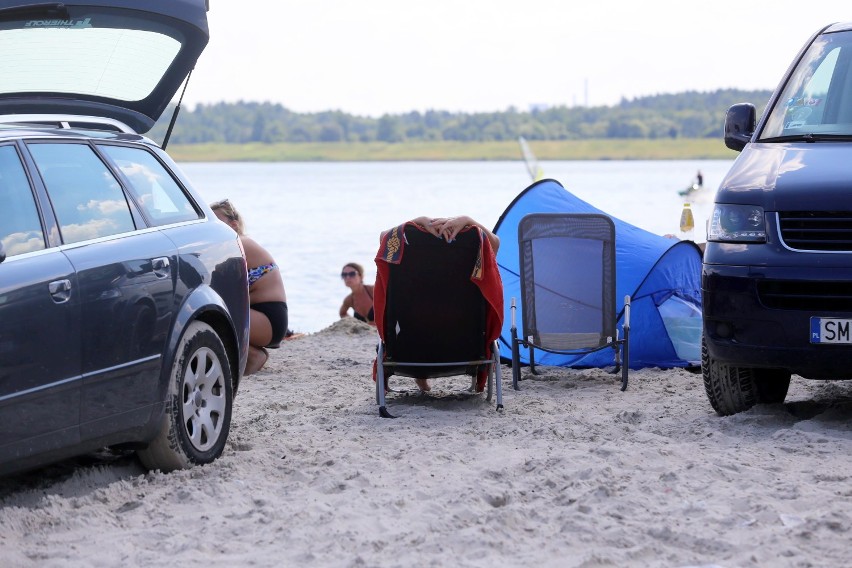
x: 375, y: 57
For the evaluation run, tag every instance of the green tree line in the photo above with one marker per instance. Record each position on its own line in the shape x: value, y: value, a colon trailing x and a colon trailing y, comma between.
x: 690, y: 114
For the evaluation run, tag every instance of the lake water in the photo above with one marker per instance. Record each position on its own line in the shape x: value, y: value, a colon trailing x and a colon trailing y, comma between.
x: 316, y: 217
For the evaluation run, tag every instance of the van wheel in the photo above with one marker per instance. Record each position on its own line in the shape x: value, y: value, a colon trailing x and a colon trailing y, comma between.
x: 730, y: 389
x: 733, y: 389
x: 197, y: 417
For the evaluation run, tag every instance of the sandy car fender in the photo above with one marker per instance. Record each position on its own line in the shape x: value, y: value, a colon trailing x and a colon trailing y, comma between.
x: 204, y: 304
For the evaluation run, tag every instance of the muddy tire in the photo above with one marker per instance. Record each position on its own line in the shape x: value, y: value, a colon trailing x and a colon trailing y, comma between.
x: 197, y: 417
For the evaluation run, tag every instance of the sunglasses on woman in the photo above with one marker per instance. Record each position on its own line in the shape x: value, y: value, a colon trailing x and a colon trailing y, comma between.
x: 348, y: 274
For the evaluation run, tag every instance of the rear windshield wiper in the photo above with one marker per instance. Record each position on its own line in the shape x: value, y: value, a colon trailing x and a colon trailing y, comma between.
x: 809, y: 137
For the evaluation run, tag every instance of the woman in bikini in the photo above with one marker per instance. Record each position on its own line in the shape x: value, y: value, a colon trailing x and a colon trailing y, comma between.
x: 268, y: 315
x: 361, y: 298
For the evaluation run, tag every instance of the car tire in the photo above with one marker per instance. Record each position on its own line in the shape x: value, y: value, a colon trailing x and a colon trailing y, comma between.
x: 197, y: 416
x: 730, y: 389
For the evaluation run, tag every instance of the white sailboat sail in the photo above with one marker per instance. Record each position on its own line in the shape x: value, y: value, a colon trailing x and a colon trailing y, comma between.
x: 533, y: 168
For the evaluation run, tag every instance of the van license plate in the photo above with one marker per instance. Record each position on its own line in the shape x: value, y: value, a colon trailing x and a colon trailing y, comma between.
x: 831, y: 330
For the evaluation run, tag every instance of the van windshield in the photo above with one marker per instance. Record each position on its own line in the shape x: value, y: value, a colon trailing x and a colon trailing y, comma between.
x: 817, y: 98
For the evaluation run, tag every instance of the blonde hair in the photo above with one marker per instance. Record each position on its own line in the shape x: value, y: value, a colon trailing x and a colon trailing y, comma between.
x: 231, y: 213
x: 358, y: 268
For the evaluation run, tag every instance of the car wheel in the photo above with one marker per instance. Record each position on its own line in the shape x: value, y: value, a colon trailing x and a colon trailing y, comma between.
x: 730, y: 389
x: 197, y: 417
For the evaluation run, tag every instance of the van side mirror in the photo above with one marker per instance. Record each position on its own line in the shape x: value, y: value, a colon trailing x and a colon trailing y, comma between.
x: 2, y: 253
x: 740, y: 121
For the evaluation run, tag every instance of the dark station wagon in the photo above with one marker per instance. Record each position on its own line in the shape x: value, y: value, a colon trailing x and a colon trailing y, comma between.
x: 123, y: 300
x: 777, y: 273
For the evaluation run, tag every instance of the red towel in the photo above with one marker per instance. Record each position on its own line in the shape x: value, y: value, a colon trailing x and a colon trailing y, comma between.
x: 485, y: 275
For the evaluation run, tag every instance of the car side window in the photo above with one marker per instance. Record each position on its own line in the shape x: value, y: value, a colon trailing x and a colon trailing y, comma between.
x: 20, y: 226
x: 87, y: 199
x: 157, y: 193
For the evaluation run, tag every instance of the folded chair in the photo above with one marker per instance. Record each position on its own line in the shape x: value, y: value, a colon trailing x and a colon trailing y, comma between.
x: 567, y: 276
x: 438, y: 308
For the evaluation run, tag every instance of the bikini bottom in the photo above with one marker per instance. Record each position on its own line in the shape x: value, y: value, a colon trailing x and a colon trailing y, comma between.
x: 277, y: 314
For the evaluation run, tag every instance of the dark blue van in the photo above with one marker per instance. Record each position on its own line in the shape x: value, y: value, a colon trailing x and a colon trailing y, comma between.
x: 777, y: 272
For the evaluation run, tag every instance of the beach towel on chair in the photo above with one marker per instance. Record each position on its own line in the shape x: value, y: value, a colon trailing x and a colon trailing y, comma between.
x: 484, y: 274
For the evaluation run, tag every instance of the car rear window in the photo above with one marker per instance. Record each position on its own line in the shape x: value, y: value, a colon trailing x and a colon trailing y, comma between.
x: 83, y: 56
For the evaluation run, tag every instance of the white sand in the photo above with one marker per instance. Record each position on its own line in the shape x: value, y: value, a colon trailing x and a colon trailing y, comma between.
x: 574, y: 472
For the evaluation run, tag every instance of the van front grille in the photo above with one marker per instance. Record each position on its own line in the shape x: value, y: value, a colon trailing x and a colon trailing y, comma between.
x: 817, y: 230
x: 811, y: 296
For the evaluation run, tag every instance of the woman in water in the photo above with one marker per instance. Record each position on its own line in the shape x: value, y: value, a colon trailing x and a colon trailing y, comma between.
x: 268, y: 315
x: 360, y: 301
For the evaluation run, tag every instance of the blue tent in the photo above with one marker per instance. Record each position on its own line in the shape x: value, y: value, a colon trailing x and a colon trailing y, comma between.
x: 661, y: 275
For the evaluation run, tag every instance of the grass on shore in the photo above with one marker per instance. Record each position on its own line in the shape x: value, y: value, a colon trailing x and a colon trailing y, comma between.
x: 599, y: 149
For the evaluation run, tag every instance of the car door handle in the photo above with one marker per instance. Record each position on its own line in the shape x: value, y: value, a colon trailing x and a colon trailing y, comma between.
x: 60, y: 290
x: 161, y: 267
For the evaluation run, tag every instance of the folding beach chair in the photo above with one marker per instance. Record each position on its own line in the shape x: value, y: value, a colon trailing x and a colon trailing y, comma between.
x: 567, y: 276
x: 439, y: 309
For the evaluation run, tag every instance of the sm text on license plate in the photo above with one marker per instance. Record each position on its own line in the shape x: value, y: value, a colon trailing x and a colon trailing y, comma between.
x: 831, y: 330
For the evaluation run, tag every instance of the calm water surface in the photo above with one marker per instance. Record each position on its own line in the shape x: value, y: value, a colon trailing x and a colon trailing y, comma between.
x: 316, y: 217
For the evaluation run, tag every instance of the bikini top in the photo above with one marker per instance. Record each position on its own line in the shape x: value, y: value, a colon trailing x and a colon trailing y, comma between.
x: 370, y: 315
x: 255, y: 273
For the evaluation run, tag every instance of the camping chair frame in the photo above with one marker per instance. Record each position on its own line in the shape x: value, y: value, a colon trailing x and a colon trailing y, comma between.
x: 589, y: 229
x: 458, y: 368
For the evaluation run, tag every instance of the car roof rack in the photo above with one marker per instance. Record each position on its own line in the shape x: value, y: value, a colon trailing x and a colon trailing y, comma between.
x: 67, y: 121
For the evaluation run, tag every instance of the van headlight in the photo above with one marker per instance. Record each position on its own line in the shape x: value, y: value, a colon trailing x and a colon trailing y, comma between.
x: 737, y: 224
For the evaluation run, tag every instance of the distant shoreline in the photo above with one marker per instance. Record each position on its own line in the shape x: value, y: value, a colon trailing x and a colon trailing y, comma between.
x: 597, y: 149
